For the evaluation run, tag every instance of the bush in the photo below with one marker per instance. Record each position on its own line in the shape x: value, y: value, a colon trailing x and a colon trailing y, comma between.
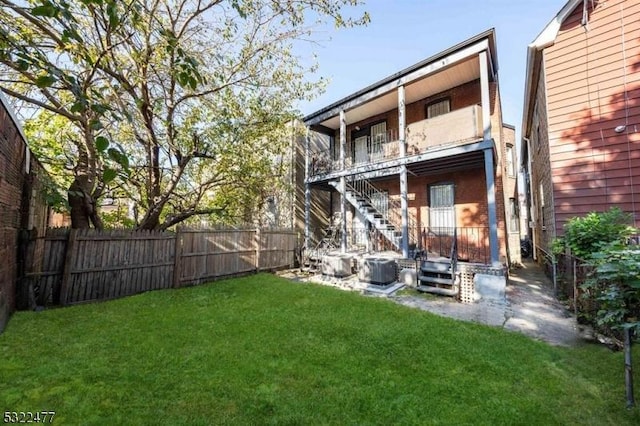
x: 615, y: 286
x: 595, y: 232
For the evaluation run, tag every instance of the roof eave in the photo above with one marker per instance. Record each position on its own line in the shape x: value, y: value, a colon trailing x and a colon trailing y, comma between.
x: 545, y: 39
x: 488, y: 34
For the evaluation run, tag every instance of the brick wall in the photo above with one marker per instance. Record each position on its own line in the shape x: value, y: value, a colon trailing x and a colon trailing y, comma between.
x: 470, y: 199
x: 22, y: 206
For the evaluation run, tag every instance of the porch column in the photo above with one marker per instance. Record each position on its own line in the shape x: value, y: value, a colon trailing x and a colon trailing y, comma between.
x: 489, y: 169
x: 307, y: 194
x: 485, y: 96
x: 343, y: 182
x: 404, y: 206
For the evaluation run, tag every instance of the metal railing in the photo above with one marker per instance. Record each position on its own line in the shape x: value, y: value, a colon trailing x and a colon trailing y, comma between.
x: 471, y: 244
x: 392, y: 211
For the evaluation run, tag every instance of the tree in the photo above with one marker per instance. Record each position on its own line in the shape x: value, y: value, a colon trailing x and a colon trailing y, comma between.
x: 165, y: 96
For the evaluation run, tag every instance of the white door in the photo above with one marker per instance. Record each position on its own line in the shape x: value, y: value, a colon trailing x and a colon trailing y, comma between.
x: 362, y: 156
x: 378, y: 139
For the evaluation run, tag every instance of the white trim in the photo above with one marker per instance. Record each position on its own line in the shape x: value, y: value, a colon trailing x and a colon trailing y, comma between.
x: 545, y: 39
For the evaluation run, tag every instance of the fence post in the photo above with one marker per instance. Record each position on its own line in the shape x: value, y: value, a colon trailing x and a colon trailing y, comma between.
x: 67, y: 267
x: 177, y: 257
x: 257, y: 244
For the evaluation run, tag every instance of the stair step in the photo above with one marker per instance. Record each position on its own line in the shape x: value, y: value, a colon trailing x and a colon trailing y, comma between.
x: 431, y: 266
x: 436, y: 280
x: 437, y: 290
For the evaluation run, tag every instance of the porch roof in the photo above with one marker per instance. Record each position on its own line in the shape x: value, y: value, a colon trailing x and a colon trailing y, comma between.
x: 450, y: 68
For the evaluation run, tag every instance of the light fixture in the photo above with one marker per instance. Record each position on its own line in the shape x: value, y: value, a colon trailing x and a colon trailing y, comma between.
x: 620, y: 129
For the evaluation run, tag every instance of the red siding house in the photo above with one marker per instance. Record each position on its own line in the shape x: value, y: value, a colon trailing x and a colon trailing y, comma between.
x: 581, y: 120
x: 416, y: 163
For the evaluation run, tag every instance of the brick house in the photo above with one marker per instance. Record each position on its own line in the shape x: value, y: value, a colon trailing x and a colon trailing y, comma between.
x: 581, y: 140
x: 416, y: 161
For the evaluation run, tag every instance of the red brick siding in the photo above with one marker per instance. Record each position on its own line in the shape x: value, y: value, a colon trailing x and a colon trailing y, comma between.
x: 470, y: 199
x: 587, y: 72
x: 17, y: 211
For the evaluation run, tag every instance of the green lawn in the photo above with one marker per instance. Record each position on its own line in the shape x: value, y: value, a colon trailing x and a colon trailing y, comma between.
x: 261, y: 349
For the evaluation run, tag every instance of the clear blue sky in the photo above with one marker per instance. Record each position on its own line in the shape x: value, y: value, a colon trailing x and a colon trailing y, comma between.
x: 403, y: 32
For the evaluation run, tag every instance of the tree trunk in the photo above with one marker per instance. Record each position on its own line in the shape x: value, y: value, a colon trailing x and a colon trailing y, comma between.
x: 82, y: 205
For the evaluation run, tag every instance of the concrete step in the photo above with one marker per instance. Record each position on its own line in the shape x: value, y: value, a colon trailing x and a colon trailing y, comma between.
x: 435, y: 267
x: 437, y: 290
x: 436, y: 280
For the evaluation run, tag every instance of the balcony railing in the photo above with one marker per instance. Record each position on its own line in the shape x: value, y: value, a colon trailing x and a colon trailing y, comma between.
x: 455, y: 128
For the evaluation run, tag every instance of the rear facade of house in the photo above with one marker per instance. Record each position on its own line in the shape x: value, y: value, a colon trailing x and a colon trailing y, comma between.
x: 581, y: 129
x: 416, y: 162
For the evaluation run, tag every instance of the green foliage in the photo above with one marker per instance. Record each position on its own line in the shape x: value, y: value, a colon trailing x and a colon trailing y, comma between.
x: 595, y: 231
x: 180, y: 110
x: 615, y: 285
x: 264, y: 350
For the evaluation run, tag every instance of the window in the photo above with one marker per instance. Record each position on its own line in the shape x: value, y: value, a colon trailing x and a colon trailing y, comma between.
x: 511, y: 167
x: 441, y: 208
x: 439, y: 107
x: 513, y: 216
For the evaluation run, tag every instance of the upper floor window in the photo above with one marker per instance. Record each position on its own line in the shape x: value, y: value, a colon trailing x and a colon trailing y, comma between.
x: 510, y: 160
x: 439, y: 107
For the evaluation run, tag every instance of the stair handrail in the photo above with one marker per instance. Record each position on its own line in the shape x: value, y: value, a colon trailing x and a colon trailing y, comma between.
x: 365, y: 189
x: 454, y: 256
x: 320, y: 249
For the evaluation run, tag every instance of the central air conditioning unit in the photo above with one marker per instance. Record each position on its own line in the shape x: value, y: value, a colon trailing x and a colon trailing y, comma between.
x: 375, y: 270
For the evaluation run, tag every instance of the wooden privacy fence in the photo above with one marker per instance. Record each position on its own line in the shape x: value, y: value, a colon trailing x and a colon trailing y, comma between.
x: 88, y: 265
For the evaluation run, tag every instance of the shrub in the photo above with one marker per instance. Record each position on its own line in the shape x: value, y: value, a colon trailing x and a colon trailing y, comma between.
x: 615, y: 286
x: 595, y: 232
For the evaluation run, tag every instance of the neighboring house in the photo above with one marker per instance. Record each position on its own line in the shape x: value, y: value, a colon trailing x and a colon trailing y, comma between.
x: 415, y: 159
x: 580, y: 133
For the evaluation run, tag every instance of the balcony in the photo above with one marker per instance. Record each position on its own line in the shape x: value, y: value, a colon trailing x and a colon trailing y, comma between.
x: 452, y: 129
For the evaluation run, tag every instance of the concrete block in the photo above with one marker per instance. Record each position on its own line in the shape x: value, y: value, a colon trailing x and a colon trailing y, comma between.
x: 409, y: 277
x: 490, y: 286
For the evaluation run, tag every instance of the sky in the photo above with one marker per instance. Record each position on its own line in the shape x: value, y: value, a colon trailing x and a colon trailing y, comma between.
x: 404, y: 32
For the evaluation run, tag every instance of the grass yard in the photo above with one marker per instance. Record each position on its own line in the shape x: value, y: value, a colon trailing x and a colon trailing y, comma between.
x: 262, y: 350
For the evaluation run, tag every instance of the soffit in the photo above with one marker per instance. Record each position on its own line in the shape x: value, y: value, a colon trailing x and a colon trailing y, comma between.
x: 453, y: 76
